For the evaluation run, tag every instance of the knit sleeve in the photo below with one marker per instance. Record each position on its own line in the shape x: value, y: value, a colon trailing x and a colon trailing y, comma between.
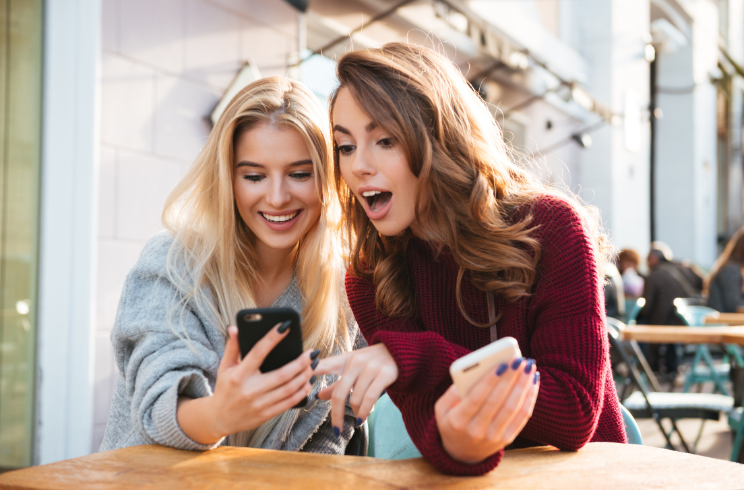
x: 423, y: 357
x: 568, y: 339
x: 161, y: 358
x: 423, y: 360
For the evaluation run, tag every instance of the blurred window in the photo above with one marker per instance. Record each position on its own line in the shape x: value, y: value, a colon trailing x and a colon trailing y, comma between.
x: 21, y: 26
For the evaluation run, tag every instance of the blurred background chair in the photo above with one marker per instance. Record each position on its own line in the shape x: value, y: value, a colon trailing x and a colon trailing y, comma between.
x: 657, y: 405
x: 695, y: 315
x: 632, y: 308
x: 388, y: 437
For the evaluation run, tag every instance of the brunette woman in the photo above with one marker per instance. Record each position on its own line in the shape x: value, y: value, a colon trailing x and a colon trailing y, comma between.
x: 725, y: 280
x: 443, y: 227
x: 253, y: 223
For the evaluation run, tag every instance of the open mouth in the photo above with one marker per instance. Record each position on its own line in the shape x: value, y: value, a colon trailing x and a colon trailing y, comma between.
x: 377, y: 199
x: 279, y: 218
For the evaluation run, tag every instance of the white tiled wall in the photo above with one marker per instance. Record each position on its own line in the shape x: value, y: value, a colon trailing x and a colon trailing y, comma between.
x: 165, y: 65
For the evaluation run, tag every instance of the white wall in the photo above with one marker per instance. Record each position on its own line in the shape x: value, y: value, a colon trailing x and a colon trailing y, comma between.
x: 686, y: 144
x: 67, y: 252
x: 616, y: 178
x: 165, y: 65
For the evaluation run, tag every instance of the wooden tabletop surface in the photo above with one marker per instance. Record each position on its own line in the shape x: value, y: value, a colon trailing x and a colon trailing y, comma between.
x: 665, y: 334
x: 727, y: 318
x: 596, y: 466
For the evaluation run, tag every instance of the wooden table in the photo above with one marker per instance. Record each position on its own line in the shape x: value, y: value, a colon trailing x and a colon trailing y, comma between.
x: 596, y: 466
x: 664, y: 334
x: 727, y: 318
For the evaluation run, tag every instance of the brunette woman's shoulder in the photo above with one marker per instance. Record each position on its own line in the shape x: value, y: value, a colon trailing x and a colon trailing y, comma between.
x: 549, y: 211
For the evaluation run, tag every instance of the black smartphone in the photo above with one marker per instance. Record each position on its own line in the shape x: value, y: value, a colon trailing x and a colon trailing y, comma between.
x: 253, y: 324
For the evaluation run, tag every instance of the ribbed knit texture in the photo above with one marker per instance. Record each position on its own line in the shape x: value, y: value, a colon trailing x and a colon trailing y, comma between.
x: 561, y: 326
x: 156, y: 366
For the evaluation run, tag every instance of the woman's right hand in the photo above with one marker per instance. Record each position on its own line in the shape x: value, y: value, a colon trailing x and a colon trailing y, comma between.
x: 244, y: 397
x: 491, y: 415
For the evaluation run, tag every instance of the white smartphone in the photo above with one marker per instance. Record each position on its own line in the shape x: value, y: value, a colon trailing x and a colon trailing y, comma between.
x: 469, y: 369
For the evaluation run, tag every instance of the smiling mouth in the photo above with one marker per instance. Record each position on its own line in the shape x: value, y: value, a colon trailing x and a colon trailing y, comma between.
x: 281, y: 218
x: 377, y: 199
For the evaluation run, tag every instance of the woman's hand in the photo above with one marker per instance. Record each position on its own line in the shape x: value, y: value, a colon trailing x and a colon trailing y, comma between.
x: 491, y: 415
x: 367, y: 371
x: 244, y: 397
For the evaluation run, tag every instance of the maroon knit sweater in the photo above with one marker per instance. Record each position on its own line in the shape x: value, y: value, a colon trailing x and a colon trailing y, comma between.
x: 561, y: 326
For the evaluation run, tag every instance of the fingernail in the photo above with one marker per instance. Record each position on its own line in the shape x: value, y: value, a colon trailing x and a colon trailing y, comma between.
x: 383, y: 392
x: 537, y: 377
x: 336, y: 431
x: 359, y: 421
x: 284, y: 326
x: 501, y: 369
x: 517, y: 362
x: 312, y: 380
x: 528, y: 367
x: 314, y: 354
x: 314, y: 364
x: 316, y: 396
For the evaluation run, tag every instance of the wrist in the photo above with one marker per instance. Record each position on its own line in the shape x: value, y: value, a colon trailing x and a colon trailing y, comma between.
x: 197, y: 419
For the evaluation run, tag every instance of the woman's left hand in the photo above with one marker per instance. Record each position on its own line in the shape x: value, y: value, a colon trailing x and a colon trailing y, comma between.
x: 367, y: 371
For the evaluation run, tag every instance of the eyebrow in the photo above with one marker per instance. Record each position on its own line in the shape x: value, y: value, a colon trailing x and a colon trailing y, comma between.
x: 299, y: 163
x: 368, y: 128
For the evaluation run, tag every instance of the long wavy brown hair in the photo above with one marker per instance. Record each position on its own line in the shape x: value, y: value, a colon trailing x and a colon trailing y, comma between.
x: 468, y: 178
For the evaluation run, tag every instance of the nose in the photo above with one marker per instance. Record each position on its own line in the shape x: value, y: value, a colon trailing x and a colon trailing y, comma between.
x: 363, y: 165
x: 278, y: 194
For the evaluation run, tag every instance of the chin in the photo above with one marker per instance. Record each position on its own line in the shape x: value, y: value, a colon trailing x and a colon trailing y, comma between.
x: 389, y: 229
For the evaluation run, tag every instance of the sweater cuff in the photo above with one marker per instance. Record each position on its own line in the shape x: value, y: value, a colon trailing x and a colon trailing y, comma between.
x: 437, y: 456
x: 164, y: 413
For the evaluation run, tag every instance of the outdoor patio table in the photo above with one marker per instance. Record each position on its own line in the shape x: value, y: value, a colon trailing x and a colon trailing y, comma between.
x: 596, y: 466
x: 727, y: 318
x: 664, y: 334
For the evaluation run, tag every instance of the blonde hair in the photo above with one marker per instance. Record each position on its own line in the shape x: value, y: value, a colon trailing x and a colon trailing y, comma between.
x: 472, y: 187
x: 212, y: 260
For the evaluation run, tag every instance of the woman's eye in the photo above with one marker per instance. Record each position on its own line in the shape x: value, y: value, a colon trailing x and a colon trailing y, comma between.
x: 386, y: 142
x: 254, y: 177
x: 301, y: 175
x: 346, y: 150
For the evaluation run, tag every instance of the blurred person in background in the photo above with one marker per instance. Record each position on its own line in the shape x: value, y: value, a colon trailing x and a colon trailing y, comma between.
x: 614, y: 292
x: 725, y: 280
x: 666, y: 281
x: 628, y: 261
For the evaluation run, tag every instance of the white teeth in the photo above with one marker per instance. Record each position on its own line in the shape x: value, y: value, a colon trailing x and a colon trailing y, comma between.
x: 279, y: 219
x: 371, y: 193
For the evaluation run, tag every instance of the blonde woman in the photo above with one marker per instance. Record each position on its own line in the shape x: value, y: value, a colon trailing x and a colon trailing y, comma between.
x: 252, y: 224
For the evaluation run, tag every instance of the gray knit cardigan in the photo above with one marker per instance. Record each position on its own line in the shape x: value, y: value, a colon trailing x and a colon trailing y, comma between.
x: 156, y: 366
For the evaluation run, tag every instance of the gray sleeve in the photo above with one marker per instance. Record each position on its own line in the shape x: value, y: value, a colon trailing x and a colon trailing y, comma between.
x: 159, y: 365
x: 324, y: 441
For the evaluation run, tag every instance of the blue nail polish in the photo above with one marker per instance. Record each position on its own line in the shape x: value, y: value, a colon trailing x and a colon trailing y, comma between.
x: 336, y: 431
x: 529, y: 365
x: 359, y: 421
x: 313, y: 378
x: 316, y: 396
x: 517, y: 362
x: 537, y: 377
x: 501, y: 369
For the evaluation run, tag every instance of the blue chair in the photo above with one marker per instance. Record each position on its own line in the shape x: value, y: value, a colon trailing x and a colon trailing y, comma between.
x: 656, y: 405
x: 631, y: 427
x: 694, y: 315
x: 388, y: 438
x: 632, y: 308
x: 735, y: 422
